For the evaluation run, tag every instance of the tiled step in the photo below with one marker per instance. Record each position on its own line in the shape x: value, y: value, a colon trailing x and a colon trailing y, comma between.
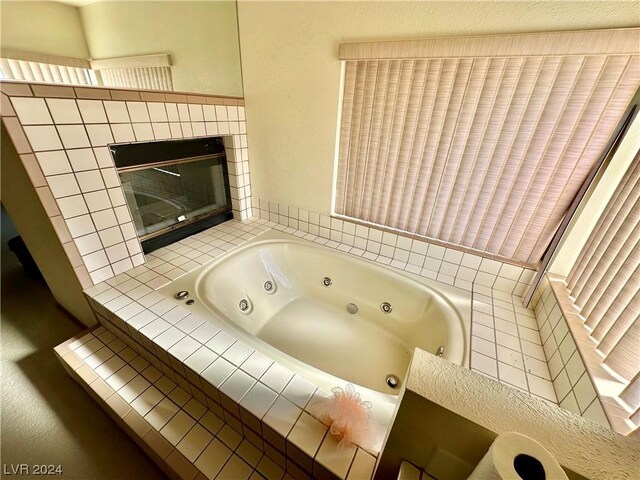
x: 187, y: 439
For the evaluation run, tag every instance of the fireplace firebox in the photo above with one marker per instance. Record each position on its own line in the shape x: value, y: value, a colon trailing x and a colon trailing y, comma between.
x: 174, y: 188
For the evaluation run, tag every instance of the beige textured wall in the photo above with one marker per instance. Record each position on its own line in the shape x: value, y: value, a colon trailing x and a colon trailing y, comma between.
x: 291, y: 72
x: 43, y: 27
x: 28, y: 215
x: 202, y: 38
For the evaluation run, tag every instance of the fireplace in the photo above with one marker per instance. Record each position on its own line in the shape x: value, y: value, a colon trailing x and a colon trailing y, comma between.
x: 174, y: 188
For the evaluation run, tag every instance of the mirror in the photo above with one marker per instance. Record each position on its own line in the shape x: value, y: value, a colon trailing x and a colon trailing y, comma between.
x: 185, y: 46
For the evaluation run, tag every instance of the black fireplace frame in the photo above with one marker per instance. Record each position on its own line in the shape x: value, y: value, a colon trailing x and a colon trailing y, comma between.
x: 130, y: 157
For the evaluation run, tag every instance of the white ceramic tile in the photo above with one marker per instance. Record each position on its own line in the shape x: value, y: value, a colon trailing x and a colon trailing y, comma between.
x: 483, y: 346
x: 213, y: 458
x: 97, y: 200
x: 43, y: 137
x: 221, y: 113
x: 82, y: 159
x: 123, y: 132
x: 484, y: 364
x: 596, y: 414
x: 81, y: 225
x: 184, y: 348
x: 508, y: 341
x: 575, y: 367
x: 132, y: 389
x: 72, y: 206
x: 155, y: 328
x: 277, y: 377
x: 209, y: 112
x: 256, y: 364
x: 235, y: 469
x: 220, y: 342
x: 337, y: 460
x: 73, y: 136
x: 103, y: 156
x: 157, y: 112
x: 143, y: 131
x: 110, y: 236
x: 198, y: 129
x: 307, y: 434
x: 161, y: 413
x: 363, y: 466
x: 570, y: 403
x: 166, y: 339
x: 104, y: 219
x: 217, y: 372
x: 183, y: 112
x: 99, y: 134
x: 189, y: 323
x: 194, y: 408
x: 258, y: 400
x: 177, y: 427
x: 92, y: 111
x: 138, y: 112
x: 31, y: 111
x: 64, y: 110
x: 147, y: 400
x: 96, y: 260
x: 584, y: 392
x: 512, y: 375
x: 541, y: 387
x: 117, y: 112
x: 161, y: 131
x: 195, y: 112
x: 269, y: 469
x: 187, y: 131
x: 238, y: 353
x: 237, y: 385
x: 299, y: 391
x: 117, y: 252
x: 90, y: 181
x: 53, y: 163
x: 194, y: 442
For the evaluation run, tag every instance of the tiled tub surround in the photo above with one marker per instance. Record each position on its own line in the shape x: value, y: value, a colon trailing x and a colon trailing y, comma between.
x: 61, y: 135
x: 562, y: 332
x: 186, y: 438
x: 505, y: 341
x: 177, y: 341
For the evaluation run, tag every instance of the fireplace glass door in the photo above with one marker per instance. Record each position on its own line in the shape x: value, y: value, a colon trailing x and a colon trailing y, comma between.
x: 172, y: 194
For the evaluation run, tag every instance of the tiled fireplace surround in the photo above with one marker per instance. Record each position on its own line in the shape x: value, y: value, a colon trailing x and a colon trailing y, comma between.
x: 63, y: 148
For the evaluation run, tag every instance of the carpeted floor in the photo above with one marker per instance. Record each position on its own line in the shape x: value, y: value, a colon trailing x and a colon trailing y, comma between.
x: 46, y: 418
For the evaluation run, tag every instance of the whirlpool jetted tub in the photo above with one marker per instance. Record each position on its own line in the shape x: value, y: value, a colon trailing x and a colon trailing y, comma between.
x: 329, y: 316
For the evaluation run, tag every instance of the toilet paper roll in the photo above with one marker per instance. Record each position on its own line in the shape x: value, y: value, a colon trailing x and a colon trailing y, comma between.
x: 513, y: 456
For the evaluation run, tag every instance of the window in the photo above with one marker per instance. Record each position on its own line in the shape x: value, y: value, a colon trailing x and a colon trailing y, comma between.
x: 479, y: 143
x: 32, y: 67
x: 604, y: 285
x: 148, y: 72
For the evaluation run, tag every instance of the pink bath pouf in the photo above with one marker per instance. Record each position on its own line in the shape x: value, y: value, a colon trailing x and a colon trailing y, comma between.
x: 346, y: 414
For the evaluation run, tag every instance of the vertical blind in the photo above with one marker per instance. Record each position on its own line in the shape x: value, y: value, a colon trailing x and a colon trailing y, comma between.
x: 604, y: 285
x: 13, y: 69
x: 147, y: 72
x: 146, y: 78
x: 482, y: 152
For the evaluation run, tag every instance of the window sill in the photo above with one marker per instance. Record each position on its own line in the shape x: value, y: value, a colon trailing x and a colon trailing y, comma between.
x: 607, y: 386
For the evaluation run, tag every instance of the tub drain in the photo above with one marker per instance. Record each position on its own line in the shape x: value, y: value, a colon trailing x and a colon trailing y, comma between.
x: 352, y: 308
x: 393, y: 381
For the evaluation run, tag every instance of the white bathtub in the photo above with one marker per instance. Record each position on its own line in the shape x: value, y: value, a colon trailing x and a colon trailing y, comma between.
x: 306, y: 325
